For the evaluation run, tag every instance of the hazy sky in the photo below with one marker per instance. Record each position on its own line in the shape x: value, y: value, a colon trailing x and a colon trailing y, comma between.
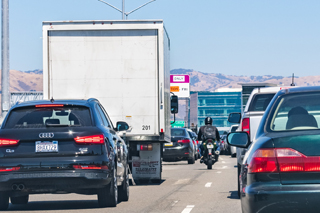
x: 234, y: 37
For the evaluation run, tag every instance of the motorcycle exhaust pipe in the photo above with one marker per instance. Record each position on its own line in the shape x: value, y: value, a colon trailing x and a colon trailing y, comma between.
x: 217, y: 152
x: 21, y: 187
x: 14, y: 187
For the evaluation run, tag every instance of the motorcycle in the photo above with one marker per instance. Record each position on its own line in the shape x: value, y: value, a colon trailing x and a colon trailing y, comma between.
x: 211, y: 153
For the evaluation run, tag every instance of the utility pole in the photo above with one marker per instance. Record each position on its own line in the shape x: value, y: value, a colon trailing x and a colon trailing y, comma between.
x: 124, y: 14
x: 5, y: 95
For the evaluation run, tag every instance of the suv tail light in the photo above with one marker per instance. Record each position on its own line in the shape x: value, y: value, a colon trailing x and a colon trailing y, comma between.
x: 246, y: 125
x: 90, y: 167
x: 9, y: 169
x: 93, y: 139
x: 184, y: 141
x: 8, y: 142
x: 283, y: 160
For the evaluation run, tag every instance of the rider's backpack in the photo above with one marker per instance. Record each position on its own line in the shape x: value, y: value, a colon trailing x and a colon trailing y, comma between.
x: 209, y: 132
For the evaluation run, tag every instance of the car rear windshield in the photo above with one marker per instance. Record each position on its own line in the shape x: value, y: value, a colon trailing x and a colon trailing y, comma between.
x: 260, y: 102
x: 178, y: 132
x: 43, y: 117
x: 296, y: 112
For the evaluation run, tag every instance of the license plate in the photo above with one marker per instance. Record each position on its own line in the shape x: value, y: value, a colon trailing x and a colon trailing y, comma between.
x: 168, y: 144
x: 210, y: 146
x: 46, y: 146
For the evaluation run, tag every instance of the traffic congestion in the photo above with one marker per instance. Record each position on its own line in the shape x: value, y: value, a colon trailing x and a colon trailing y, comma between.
x: 114, y: 129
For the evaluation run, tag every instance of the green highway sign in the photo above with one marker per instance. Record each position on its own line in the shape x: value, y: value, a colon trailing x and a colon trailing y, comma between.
x: 178, y: 124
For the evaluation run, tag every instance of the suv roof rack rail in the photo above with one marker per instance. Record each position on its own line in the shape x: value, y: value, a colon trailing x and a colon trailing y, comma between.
x: 92, y: 99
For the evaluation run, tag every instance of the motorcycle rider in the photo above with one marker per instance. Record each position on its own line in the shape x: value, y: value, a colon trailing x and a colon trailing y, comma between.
x: 208, y: 121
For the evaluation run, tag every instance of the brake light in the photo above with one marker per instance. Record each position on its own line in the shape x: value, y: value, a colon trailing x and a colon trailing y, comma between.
x: 90, y: 167
x: 145, y: 147
x: 283, y: 160
x: 93, y: 139
x: 291, y: 160
x: 246, y: 125
x: 50, y: 105
x: 9, y: 169
x: 263, y: 160
x: 184, y: 141
x: 8, y: 142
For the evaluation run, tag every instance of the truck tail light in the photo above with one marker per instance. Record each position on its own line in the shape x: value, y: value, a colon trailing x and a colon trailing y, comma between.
x: 90, y: 167
x: 145, y: 147
x: 8, y: 142
x: 184, y: 141
x: 9, y: 169
x: 282, y: 160
x: 93, y: 139
x: 246, y: 125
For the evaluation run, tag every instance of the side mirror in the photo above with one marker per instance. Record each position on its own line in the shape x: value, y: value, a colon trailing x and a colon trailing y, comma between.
x: 174, y: 104
x: 234, y: 117
x: 238, y: 139
x: 122, y: 126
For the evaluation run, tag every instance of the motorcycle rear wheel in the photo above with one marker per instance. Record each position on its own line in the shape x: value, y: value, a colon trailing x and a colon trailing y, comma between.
x: 209, y: 164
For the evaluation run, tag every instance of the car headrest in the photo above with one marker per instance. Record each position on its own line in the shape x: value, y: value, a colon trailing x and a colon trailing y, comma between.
x: 52, y: 121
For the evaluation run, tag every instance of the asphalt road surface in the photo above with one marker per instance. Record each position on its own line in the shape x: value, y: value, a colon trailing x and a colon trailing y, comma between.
x: 185, y: 188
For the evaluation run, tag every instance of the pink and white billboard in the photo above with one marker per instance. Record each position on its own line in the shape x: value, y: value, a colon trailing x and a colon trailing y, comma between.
x: 180, y: 85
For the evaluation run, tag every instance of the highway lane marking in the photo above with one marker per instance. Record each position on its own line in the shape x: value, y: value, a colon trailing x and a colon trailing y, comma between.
x: 223, y: 162
x: 221, y: 158
x: 181, y: 181
x: 208, y: 184
x: 218, y: 172
x: 224, y: 167
x: 188, y: 209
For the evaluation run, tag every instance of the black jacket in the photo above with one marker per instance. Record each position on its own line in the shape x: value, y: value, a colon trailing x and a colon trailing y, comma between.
x: 201, y: 130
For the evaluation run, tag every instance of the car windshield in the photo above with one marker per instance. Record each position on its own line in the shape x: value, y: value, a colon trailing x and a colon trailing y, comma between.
x: 178, y: 132
x: 33, y: 117
x: 260, y: 102
x: 297, y: 112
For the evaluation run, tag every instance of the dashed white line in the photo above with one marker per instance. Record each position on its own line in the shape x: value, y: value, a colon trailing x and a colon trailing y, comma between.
x: 218, y: 172
x: 223, y: 162
x: 208, y: 184
x: 188, y: 209
x: 221, y: 158
x: 224, y: 167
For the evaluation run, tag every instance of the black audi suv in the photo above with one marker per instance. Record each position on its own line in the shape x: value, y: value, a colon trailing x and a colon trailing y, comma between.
x: 62, y: 146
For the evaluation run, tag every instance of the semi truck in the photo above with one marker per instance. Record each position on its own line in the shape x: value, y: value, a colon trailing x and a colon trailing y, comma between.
x: 123, y: 64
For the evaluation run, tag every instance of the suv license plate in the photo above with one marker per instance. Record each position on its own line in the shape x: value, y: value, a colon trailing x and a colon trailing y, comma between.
x: 168, y: 144
x: 46, y: 146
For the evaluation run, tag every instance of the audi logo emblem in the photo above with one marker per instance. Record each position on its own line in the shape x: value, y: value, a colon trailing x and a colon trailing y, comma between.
x: 46, y: 135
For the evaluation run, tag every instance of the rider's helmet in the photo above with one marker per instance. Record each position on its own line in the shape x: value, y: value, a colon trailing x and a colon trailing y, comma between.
x: 208, y: 121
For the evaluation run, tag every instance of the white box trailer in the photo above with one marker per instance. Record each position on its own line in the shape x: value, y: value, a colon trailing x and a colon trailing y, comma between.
x: 125, y: 65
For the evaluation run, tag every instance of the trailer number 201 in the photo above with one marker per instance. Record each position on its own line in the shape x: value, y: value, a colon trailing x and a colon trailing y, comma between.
x: 145, y: 127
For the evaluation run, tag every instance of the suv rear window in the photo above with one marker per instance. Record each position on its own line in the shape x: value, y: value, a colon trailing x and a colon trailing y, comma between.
x: 260, y: 102
x: 32, y: 117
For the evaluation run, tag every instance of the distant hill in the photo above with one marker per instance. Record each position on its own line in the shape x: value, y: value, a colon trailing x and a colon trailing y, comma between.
x: 211, y: 81
x: 200, y: 81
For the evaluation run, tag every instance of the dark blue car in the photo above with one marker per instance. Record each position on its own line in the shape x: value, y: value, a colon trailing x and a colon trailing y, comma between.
x: 62, y: 146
